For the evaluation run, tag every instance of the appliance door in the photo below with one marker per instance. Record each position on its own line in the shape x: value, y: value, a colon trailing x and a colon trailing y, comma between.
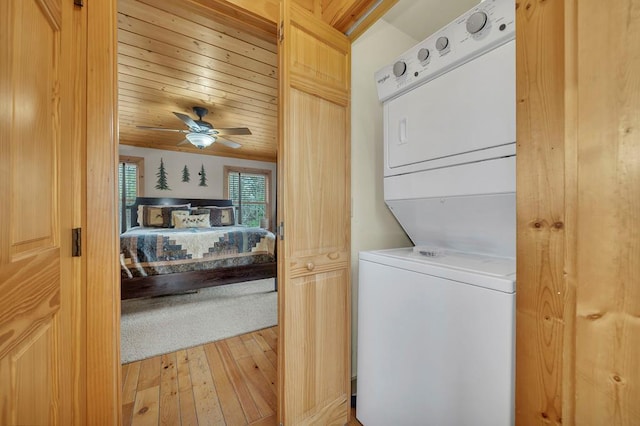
x: 467, y: 112
x: 432, y: 351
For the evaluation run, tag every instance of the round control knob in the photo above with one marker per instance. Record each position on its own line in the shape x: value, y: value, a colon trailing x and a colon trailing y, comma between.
x: 476, y: 22
x: 399, y: 68
x: 423, y: 54
x: 442, y: 43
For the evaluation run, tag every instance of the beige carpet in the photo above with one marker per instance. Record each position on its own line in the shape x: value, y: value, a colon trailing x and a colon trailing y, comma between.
x: 166, y: 324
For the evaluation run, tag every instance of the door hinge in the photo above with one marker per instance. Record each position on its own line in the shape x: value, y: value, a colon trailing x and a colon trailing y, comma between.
x: 79, y: 3
x: 281, y: 32
x: 76, y: 243
x: 281, y: 230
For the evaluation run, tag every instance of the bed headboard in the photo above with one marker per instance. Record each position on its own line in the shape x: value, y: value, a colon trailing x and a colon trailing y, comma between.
x: 154, y: 201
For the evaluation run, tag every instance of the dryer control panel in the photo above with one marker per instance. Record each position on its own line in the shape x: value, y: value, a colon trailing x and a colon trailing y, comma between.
x: 485, y: 27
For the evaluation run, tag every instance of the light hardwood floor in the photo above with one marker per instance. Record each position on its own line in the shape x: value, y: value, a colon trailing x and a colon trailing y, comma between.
x: 229, y: 382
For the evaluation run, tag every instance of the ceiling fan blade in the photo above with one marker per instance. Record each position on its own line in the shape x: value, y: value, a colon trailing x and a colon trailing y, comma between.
x: 161, y: 128
x: 183, y: 142
x: 230, y: 144
x: 234, y: 131
x: 188, y: 121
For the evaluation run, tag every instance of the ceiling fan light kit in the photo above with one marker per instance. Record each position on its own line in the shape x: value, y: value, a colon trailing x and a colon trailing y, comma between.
x: 202, y: 134
x: 200, y: 140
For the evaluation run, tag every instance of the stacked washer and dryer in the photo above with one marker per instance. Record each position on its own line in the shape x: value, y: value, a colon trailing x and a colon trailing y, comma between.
x: 436, y: 321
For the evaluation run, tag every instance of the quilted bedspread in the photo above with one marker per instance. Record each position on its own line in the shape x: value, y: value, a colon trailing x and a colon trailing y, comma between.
x: 155, y: 251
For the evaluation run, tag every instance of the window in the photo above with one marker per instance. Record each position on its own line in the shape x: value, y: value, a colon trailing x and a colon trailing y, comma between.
x: 130, y: 186
x: 249, y: 190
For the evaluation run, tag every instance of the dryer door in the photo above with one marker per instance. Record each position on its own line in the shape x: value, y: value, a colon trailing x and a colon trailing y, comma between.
x: 424, y: 128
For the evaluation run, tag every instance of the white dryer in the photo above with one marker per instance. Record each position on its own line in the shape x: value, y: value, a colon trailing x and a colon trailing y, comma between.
x: 436, y: 321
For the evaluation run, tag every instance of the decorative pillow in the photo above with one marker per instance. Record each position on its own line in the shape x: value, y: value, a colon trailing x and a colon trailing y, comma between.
x: 222, y: 216
x: 175, y: 213
x: 192, y: 221
x: 159, y: 216
x: 167, y: 215
x: 152, y: 216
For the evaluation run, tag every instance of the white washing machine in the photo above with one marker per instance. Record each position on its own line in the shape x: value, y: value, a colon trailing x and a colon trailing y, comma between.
x: 435, y: 339
x: 436, y: 321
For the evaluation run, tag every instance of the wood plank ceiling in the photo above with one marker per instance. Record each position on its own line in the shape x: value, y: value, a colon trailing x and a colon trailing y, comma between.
x: 177, y: 54
x: 218, y: 54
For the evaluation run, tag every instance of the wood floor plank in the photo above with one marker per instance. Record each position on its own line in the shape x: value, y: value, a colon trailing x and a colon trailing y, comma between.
x: 261, y: 341
x: 239, y: 384
x: 273, y: 358
x: 262, y: 362
x: 129, y: 388
x: 130, y: 385
x: 123, y: 371
x: 127, y: 414
x: 217, y: 383
x: 169, y: 399
x: 188, y: 414
x: 269, y: 353
x: 145, y: 410
x: 205, y: 395
x: 261, y: 391
x: 149, y: 373
x: 229, y: 401
x: 267, y: 421
x: 237, y: 347
x: 271, y: 336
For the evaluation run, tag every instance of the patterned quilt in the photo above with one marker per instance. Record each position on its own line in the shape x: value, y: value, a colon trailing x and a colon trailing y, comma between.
x: 155, y: 251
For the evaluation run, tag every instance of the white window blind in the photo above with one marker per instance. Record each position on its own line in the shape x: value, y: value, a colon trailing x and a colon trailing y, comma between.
x: 249, y: 191
x: 127, y: 192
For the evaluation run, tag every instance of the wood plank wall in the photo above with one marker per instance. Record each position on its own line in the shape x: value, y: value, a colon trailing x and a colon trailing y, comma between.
x: 578, y: 301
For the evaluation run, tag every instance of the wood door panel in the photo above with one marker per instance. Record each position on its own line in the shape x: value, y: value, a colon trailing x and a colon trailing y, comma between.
x: 35, y: 125
x: 30, y: 296
x: 321, y: 171
x: 318, y: 64
x: 315, y: 363
x: 28, y: 379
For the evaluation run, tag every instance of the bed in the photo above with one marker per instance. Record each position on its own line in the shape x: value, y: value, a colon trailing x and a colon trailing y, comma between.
x: 186, y: 244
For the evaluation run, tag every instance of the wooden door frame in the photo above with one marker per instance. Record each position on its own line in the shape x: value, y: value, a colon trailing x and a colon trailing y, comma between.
x: 102, y: 325
x: 101, y: 272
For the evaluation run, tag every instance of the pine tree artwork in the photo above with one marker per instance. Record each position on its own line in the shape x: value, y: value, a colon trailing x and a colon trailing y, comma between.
x: 162, y: 178
x: 203, y: 177
x: 186, y: 177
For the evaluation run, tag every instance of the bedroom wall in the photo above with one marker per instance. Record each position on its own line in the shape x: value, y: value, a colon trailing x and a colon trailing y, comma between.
x: 174, y: 162
x: 372, y: 225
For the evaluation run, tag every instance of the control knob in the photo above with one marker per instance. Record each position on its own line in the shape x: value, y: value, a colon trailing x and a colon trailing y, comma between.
x: 399, y: 68
x: 423, y: 54
x: 476, y: 22
x: 442, y: 43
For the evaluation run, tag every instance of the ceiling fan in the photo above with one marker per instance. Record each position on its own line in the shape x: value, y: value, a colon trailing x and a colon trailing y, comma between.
x: 202, y: 134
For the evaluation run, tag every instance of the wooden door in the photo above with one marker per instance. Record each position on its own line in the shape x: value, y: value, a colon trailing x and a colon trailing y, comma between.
x: 314, y: 204
x: 40, y: 91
